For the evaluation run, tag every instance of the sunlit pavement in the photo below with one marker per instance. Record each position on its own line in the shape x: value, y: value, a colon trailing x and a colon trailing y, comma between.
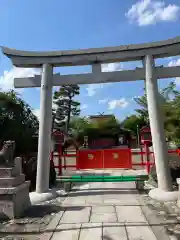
x: 109, y: 211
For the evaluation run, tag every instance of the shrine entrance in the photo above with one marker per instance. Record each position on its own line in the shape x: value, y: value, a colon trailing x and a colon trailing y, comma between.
x: 147, y: 53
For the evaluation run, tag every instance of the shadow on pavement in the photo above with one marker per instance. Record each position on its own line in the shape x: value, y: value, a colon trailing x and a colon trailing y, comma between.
x: 96, y: 193
x: 103, y: 189
x: 39, y: 211
x: 75, y: 227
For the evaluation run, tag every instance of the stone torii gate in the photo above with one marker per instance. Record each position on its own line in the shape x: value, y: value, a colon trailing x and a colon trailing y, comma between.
x: 150, y: 73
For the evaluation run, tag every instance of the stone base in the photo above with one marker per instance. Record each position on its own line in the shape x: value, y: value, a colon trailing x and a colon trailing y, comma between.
x: 36, y: 198
x: 162, y: 196
x: 14, y: 201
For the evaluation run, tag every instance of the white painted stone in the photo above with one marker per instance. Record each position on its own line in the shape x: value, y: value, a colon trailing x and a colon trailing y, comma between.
x: 91, y: 231
x: 130, y: 214
x: 37, y: 198
x: 66, y: 232
x: 163, y: 196
x: 140, y: 233
x: 76, y: 216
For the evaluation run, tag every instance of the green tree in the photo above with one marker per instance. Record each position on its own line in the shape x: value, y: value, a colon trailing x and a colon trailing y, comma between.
x: 166, y: 97
x: 134, y: 122
x: 66, y: 106
x: 143, y: 110
x: 85, y: 127
x: 17, y: 121
x: 170, y: 105
x: 78, y: 126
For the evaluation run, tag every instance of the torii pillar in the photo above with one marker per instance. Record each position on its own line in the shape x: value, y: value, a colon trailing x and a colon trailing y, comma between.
x: 45, y: 126
x: 157, y: 126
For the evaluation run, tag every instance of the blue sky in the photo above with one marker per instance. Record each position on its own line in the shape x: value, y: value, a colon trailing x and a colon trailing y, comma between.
x: 60, y: 25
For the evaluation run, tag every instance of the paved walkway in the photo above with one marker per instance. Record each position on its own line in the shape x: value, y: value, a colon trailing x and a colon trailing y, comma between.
x: 109, y: 211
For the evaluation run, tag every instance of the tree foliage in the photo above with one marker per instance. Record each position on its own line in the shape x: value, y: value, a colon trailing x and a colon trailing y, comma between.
x: 81, y: 126
x: 17, y: 121
x: 134, y: 122
x: 66, y: 106
x: 170, y: 106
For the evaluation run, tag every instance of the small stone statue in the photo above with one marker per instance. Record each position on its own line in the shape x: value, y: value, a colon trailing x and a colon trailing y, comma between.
x: 7, y: 153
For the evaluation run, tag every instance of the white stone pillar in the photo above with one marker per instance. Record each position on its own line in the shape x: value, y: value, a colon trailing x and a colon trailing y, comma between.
x: 45, y: 126
x: 157, y: 127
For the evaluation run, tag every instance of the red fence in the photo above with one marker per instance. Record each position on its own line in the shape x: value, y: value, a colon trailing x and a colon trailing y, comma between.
x: 90, y: 159
x: 106, y: 158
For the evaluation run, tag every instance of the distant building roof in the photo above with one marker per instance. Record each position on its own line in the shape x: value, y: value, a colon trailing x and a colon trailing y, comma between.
x: 145, y: 129
x: 102, y: 116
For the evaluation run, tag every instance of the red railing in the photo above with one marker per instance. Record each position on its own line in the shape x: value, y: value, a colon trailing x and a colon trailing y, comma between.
x: 107, y: 158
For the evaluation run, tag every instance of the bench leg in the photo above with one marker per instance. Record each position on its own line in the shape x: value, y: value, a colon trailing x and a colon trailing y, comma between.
x: 67, y: 186
x: 140, y: 185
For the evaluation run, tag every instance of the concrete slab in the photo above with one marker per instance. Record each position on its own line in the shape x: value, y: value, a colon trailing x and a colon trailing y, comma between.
x: 140, y: 232
x: 115, y: 231
x: 130, y: 214
x: 103, y: 209
x: 119, y: 200
x: 103, y: 217
x: 111, y: 201
x: 67, y: 232
x: 77, y: 215
x: 93, y: 200
x: 91, y: 231
x: 74, y: 201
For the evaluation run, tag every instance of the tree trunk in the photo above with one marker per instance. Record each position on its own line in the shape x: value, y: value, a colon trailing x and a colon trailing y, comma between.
x: 69, y: 114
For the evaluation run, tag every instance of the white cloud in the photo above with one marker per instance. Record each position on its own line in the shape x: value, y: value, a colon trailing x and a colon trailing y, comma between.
x: 37, y: 113
x: 84, y: 106
x: 146, y: 12
x: 92, y: 88
x: 133, y: 98
x: 177, y: 81
x: 7, y: 80
x: 119, y: 103
x: 107, y: 67
x: 102, y: 101
x: 111, y: 67
x: 174, y: 63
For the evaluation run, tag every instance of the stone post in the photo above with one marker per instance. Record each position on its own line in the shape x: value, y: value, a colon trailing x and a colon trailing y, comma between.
x: 45, y: 126
x: 157, y: 127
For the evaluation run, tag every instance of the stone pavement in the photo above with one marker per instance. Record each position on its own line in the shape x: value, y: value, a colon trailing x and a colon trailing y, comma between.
x: 109, y: 211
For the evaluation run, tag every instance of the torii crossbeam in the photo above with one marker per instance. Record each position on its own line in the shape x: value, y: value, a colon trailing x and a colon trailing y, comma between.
x: 145, y: 52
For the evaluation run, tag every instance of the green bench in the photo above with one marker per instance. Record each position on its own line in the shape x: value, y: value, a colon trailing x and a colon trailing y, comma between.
x: 68, y: 180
